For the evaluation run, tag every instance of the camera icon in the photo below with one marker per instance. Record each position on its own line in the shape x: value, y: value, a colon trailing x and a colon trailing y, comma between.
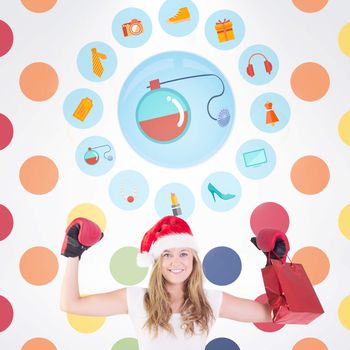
x: 134, y: 27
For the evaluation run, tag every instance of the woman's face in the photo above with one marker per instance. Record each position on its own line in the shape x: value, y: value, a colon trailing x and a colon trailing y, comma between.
x: 176, y: 264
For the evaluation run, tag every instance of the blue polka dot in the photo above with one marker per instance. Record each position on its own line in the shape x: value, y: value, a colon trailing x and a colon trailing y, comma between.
x: 222, y: 344
x: 222, y: 266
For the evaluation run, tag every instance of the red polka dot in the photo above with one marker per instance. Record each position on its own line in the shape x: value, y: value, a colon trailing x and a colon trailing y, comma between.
x: 6, y: 131
x: 269, y: 215
x: 6, y: 314
x: 6, y: 36
x: 6, y: 222
x: 266, y: 326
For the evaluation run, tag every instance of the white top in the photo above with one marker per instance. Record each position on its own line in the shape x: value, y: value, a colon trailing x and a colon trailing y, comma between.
x: 166, y: 340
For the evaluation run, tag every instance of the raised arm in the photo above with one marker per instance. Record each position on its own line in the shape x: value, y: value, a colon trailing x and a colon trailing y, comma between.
x: 80, y: 235
x: 103, y: 304
x: 244, y: 310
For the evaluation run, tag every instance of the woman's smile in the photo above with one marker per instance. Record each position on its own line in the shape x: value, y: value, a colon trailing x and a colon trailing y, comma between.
x: 176, y: 271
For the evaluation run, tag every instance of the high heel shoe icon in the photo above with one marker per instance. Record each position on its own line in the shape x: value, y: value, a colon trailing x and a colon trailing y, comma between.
x: 214, y: 191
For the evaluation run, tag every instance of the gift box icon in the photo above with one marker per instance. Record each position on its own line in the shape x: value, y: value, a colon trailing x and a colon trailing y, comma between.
x: 224, y: 30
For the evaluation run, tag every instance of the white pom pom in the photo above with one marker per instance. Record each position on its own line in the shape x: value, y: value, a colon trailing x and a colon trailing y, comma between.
x: 145, y: 259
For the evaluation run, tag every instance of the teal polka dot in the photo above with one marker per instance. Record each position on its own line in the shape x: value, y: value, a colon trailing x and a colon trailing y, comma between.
x: 126, y: 344
x: 124, y: 268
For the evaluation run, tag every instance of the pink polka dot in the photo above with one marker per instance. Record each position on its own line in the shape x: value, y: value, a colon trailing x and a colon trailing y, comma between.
x: 6, y: 314
x: 6, y: 222
x: 6, y: 36
x: 269, y: 215
x: 6, y: 131
x: 266, y: 326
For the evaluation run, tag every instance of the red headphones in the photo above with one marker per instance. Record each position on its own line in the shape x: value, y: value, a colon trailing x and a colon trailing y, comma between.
x: 267, y: 64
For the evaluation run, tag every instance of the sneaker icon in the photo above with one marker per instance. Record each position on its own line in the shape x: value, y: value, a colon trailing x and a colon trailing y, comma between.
x: 182, y: 15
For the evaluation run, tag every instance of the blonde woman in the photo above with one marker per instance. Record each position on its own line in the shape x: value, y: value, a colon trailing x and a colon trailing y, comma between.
x: 175, y: 311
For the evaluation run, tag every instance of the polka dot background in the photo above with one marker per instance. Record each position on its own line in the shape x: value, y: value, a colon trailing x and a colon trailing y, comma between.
x: 305, y: 195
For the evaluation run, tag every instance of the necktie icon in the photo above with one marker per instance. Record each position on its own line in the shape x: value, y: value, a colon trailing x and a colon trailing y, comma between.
x: 97, y: 66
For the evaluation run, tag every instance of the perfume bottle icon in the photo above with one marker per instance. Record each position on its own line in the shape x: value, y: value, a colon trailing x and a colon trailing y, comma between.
x: 214, y: 191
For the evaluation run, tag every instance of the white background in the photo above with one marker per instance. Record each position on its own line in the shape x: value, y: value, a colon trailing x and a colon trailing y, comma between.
x: 40, y: 128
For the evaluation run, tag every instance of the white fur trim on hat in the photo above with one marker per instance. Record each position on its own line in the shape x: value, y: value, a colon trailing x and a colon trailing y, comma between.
x: 145, y: 259
x: 175, y: 240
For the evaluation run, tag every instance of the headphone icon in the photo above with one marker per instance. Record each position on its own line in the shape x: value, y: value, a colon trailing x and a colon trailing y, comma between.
x: 267, y: 64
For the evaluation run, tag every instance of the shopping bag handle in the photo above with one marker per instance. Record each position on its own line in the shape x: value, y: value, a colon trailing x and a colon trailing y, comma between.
x: 278, y: 257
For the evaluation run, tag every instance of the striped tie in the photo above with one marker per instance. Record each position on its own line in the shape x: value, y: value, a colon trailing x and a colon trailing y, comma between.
x: 97, y: 66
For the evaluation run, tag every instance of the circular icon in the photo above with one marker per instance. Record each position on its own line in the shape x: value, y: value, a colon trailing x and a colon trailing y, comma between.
x: 123, y: 266
x: 258, y: 64
x: 95, y: 156
x: 39, y: 6
x: 224, y: 29
x: 310, y: 174
x: 271, y: 215
x: 6, y: 223
x: 6, y: 131
x: 38, y: 81
x: 83, y: 108
x: 174, y: 199
x: 6, y: 35
x: 222, y: 266
x: 128, y: 190
x: 343, y: 128
x: 38, y: 343
x: 6, y: 315
x: 131, y: 27
x: 221, y: 191
x: 343, y: 39
x: 256, y: 159
x: 222, y: 344
x: 97, y: 61
x: 38, y: 266
x: 179, y: 115
x: 39, y: 175
x: 178, y: 18
x: 270, y: 112
x: 266, y: 326
x: 310, y: 81
x: 126, y: 344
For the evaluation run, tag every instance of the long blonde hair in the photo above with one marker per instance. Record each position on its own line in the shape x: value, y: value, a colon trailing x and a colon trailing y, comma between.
x: 195, y: 309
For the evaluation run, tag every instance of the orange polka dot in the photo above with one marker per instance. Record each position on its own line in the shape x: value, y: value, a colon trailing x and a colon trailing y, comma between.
x: 38, y: 81
x: 310, y: 175
x: 38, y: 175
x: 310, y: 5
x: 315, y: 263
x: 39, y: 5
x: 310, y: 81
x: 38, y: 344
x: 310, y: 344
x: 38, y: 266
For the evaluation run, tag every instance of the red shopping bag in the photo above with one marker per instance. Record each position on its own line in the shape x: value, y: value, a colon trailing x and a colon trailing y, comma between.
x: 290, y: 293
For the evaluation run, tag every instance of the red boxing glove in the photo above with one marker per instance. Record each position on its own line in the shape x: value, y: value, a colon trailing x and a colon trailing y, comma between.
x: 274, y: 242
x: 81, y: 234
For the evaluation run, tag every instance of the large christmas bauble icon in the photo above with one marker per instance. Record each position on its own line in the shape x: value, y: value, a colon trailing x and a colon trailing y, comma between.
x: 163, y: 115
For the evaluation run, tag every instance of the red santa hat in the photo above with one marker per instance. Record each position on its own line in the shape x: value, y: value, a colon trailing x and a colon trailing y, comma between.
x: 169, y: 232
